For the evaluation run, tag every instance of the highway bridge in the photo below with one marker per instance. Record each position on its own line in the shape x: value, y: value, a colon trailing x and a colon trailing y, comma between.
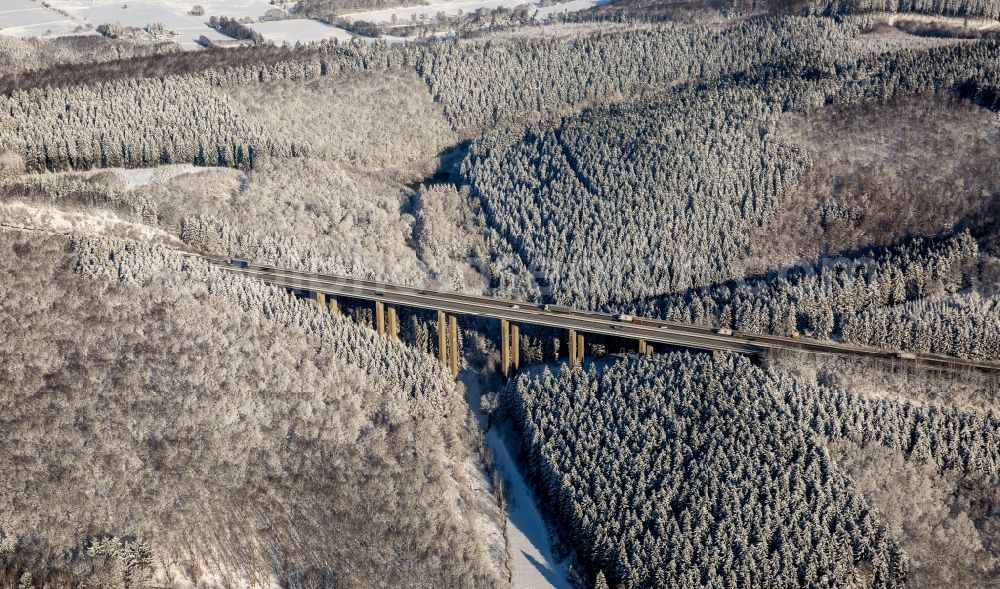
x: 324, y: 288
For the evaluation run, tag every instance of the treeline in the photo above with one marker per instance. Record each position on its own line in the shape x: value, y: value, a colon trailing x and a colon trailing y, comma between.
x: 485, y: 83
x: 685, y: 471
x: 627, y: 202
x: 970, y: 68
x: 235, y: 29
x: 616, y: 204
x: 619, y: 205
x: 822, y: 298
x: 384, y: 361
x: 962, y: 325
x: 134, y: 123
x: 329, y: 10
x: 498, y: 78
x: 804, y: 61
x: 240, y: 430
x: 949, y: 437
x: 180, y: 63
x: 962, y: 8
x: 18, y: 56
x: 149, y: 121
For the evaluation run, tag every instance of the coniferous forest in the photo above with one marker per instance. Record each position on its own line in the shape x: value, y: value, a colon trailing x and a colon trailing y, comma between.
x: 820, y: 172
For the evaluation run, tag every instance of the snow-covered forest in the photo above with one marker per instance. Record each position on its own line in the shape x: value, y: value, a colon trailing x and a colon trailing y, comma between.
x: 198, y: 406
x: 656, y: 465
x: 974, y: 8
x: 812, y: 170
x: 692, y: 471
x: 847, y: 296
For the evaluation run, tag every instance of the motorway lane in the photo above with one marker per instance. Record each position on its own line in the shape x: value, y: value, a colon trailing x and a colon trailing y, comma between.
x: 528, y: 313
x: 653, y: 331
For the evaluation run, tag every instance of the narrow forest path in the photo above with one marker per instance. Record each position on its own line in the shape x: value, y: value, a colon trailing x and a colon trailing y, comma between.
x: 532, y: 563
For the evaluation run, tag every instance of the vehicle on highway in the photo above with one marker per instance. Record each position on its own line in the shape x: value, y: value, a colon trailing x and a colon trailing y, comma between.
x: 238, y: 262
x: 515, y: 307
x: 904, y: 355
x: 380, y: 293
x: 723, y: 331
x: 625, y: 317
x: 616, y: 326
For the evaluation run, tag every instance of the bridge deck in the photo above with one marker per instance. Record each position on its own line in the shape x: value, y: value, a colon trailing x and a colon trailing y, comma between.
x: 650, y: 330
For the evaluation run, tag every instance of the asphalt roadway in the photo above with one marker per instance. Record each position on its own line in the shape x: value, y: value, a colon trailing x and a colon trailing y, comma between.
x: 638, y: 328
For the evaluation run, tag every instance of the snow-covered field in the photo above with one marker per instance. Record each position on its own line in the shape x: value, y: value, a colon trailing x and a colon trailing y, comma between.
x: 28, y: 18
x: 404, y: 14
x: 571, y: 6
x: 299, y: 29
x: 423, y: 12
x: 175, y: 15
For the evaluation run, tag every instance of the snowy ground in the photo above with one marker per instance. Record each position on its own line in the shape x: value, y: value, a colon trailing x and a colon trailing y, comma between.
x: 28, y: 18
x: 138, y: 177
x: 423, y: 12
x: 175, y: 15
x: 298, y: 30
x: 34, y: 217
x: 976, y: 24
x: 404, y: 14
x: 564, y: 7
x: 532, y: 564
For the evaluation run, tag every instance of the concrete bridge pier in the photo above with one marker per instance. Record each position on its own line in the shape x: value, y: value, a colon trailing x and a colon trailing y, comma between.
x: 510, y: 347
x: 505, y: 347
x: 442, y: 339
x: 572, y: 348
x: 380, y: 317
x: 515, y: 345
x: 393, y: 324
x: 453, y: 329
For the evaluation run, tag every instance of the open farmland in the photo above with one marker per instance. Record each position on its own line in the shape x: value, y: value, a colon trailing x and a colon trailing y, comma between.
x: 299, y: 30
x: 174, y: 15
x: 432, y: 10
x: 28, y: 18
